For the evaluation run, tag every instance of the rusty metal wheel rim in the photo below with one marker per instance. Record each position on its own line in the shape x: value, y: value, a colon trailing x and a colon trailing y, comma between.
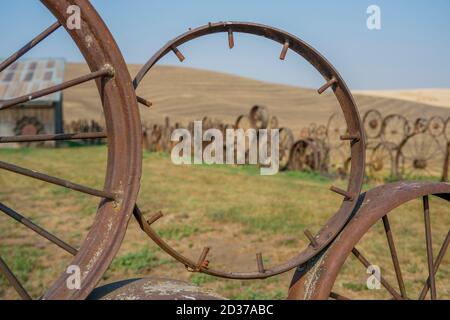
x: 315, y: 280
x: 124, y: 146
x: 355, y: 138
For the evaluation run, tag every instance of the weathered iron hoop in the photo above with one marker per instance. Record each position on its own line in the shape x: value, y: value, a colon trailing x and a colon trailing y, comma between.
x: 124, y: 148
x: 355, y: 137
x: 315, y: 279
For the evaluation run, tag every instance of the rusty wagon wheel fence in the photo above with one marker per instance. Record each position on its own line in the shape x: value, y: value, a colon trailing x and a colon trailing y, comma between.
x: 354, y: 137
x: 317, y: 279
x: 121, y: 183
x: 420, y: 155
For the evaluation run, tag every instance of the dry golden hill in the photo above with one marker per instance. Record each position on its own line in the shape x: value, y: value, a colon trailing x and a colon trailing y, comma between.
x: 186, y: 94
x: 435, y: 97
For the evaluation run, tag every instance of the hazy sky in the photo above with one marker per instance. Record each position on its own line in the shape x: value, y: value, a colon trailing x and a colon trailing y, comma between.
x: 412, y: 49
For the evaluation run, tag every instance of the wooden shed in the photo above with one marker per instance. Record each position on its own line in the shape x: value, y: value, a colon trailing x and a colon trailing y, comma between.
x: 40, y: 116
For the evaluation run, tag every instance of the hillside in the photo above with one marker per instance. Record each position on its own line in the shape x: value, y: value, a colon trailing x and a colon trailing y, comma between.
x: 185, y: 94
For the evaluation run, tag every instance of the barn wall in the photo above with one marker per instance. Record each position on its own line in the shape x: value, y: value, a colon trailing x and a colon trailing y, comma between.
x: 10, y: 117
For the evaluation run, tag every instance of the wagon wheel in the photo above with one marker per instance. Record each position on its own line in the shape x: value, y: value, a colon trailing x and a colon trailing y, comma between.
x: 336, y: 128
x: 420, y: 125
x: 381, y: 161
x: 121, y: 182
x: 304, y: 156
x: 436, y: 126
x: 354, y: 137
x: 373, y: 121
x: 420, y: 156
x: 372, y: 241
x: 259, y: 117
x: 286, y: 142
x: 395, y: 130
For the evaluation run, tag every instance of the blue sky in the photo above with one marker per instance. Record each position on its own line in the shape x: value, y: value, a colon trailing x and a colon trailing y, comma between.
x: 412, y: 50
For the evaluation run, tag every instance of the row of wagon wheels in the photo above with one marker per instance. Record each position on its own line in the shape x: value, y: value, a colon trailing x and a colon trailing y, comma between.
x: 118, y: 197
x: 400, y: 149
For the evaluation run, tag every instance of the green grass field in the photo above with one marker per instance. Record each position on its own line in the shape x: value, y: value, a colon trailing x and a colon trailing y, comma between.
x: 232, y: 209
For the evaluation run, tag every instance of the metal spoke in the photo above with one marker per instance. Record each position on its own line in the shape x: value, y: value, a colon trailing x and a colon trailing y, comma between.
x: 429, y: 241
x: 383, y: 281
x: 54, y: 137
x: 42, y: 93
x: 13, y: 280
x: 337, y: 296
x: 437, y: 263
x: 144, y: 102
x: 398, y: 272
x: 44, y: 233
x: 56, y: 181
x: 6, y: 63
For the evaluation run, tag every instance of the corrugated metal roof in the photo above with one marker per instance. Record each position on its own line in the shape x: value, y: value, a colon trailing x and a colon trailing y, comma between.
x: 30, y: 75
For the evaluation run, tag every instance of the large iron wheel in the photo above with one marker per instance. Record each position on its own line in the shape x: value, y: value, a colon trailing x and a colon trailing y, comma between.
x: 123, y: 131
x: 405, y: 279
x: 354, y: 136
